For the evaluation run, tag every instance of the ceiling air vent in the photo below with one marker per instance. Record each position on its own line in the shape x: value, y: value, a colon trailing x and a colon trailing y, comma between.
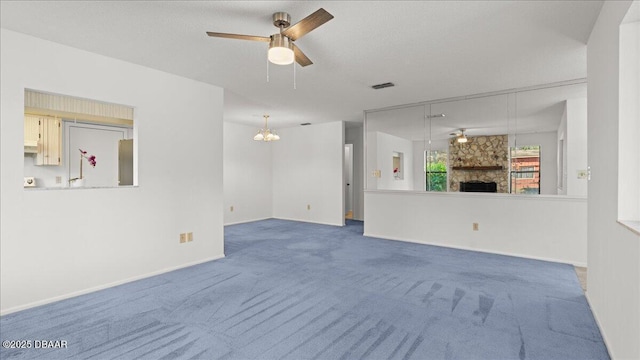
x: 382, y: 86
x: 305, y: 124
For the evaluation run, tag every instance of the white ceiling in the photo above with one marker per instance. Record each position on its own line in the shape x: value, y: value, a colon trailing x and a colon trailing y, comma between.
x: 429, y: 49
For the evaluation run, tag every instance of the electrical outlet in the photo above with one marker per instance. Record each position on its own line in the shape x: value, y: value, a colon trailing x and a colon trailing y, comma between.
x: 475, y: 226
x: 308, y: 206
x: 189, y: 237
x: 58, y: 179
x: 183, y: 238
x: 231, y: 208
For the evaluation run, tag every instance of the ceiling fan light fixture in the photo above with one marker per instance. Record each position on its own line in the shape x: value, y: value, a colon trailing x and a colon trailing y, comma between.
x: 280, y: 50
x: 460, y: 137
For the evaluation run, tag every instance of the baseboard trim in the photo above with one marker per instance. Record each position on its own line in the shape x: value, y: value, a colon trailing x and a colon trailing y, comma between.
x: 309, y: 221
x: 246, y: 221
x: 287, y: 219
x: 604, y: 335
x: 104, y: 286
x: 581, y: 264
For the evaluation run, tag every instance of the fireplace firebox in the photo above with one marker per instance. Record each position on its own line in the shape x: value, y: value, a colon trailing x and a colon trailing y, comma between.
x: 478, y: 186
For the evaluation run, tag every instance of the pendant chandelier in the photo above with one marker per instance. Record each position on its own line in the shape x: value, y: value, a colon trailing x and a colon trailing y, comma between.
x: 265, y: 134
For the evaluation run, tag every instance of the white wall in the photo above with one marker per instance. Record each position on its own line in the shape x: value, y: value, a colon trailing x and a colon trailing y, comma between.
x: 247, y: 175
x: 371, y: 181
x: 355, y: 136
x: 59, y: 243
x: 386, y: 146
x: 613, y: 287
x: 548, y: 158
x: 540, y: 227
x: 561, y: 155
x: 417, y: 165
x: 576, y: 142
x: 308, y: 170
x: 629, y: 127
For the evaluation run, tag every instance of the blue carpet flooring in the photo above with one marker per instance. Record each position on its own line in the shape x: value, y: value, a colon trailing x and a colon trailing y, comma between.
x: 290, y: 290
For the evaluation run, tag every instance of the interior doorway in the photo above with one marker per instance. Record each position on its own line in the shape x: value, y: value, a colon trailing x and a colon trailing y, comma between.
x: 348, y: 181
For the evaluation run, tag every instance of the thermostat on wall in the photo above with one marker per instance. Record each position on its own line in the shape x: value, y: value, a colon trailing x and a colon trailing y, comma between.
x: 29, y: 181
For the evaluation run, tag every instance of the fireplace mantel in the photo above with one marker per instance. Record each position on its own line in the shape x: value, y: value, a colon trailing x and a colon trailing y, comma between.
x: 482, y: 168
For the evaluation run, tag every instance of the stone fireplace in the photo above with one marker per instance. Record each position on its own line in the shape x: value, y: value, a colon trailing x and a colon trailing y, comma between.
x: 480, y: 159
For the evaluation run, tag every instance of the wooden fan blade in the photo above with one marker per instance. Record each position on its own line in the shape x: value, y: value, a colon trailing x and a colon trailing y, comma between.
x: 307, y: 24
x: 301, y: 58
x: 239, y: 37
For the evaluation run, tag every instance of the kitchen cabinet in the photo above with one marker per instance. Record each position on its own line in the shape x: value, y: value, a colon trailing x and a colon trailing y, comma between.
x: 48, y: 147
x: 31, y: 134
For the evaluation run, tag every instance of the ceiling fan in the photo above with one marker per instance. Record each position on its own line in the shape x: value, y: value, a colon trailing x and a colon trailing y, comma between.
x: 282, y: 50
x: 460, y: 136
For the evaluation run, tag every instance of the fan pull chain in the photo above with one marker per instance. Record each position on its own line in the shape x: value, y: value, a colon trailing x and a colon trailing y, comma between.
x: 267, y: 67
x: 294, y: 76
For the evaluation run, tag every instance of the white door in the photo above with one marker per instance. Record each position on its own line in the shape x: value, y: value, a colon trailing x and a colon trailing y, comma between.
x: 348, y: 178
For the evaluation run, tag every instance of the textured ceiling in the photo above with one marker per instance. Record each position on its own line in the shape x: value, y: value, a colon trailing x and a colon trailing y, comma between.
x: 429, y: 49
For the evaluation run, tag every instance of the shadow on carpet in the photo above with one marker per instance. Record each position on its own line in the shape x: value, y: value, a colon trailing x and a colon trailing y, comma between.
x: 290, y: 290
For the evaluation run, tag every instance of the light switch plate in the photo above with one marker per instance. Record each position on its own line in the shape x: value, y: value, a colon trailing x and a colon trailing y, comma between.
x: 582, y: 174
